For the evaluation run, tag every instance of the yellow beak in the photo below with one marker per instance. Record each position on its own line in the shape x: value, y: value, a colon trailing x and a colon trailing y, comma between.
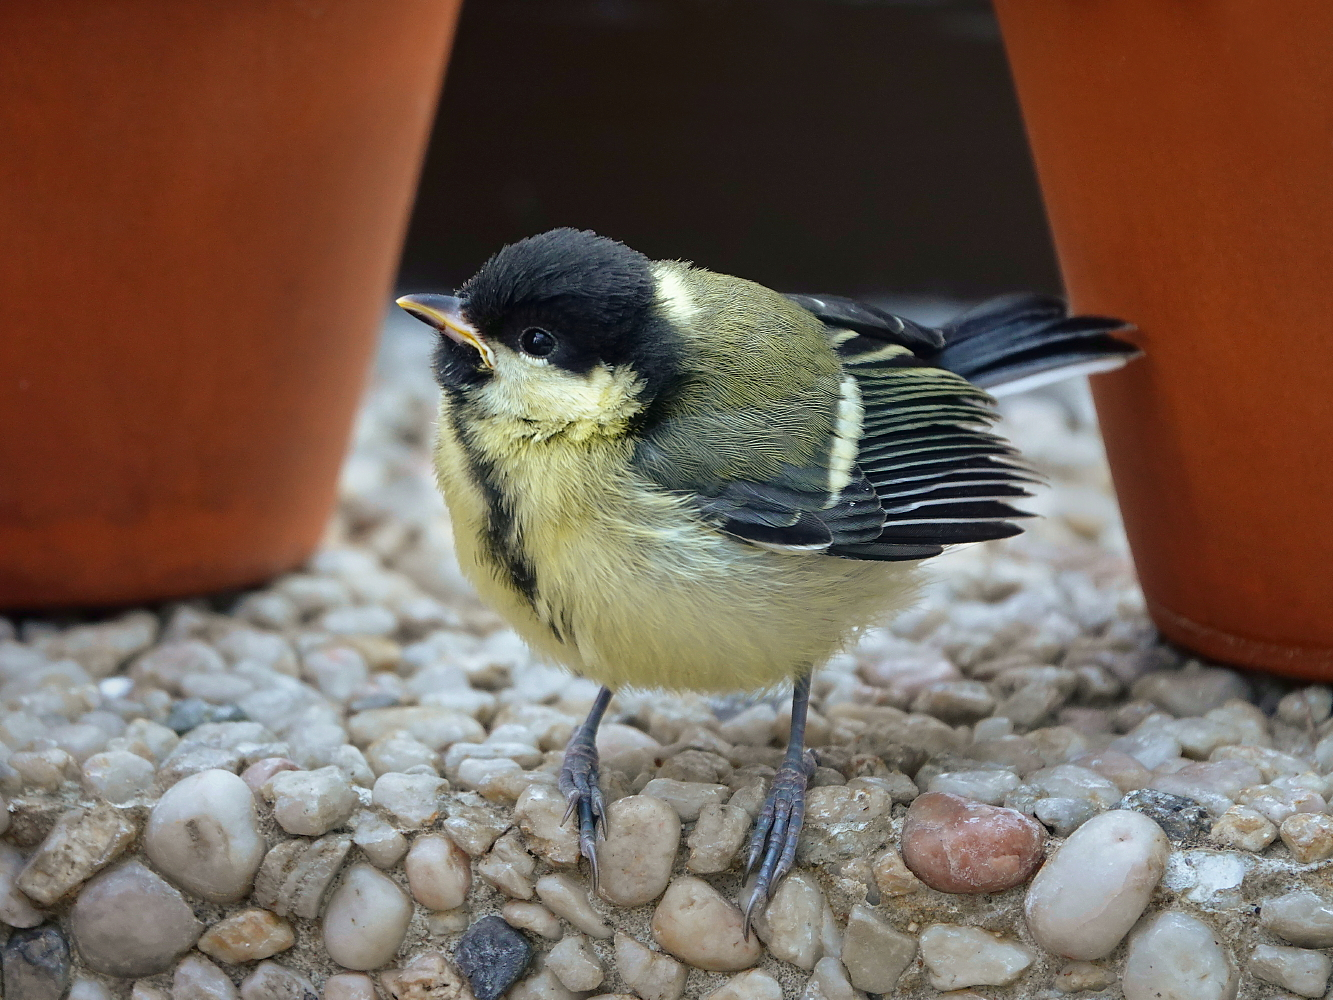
x: 445, y: 313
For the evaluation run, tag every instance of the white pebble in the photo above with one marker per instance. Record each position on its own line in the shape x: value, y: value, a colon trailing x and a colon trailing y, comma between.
x: 117, y: 776
x: 643, y: 833
x: 532, y: 917
x: 1297, y: 969
x: 380, y: 842
x: 567, y: 898
x: 399, y: 751
x: 1301, y: 917
x: 957, y: 956
x: 203, y: 834
x: 439, y: 872
x: 438, y: 728
x: 753, y: 985
x: 311, y: 803
x: 1085, y: 899
x: 698, y: 926
x: 413, y: 800
x: 540, y: 813
x: 650, y: 974
x: 985, y: 786
x: 16, y: 909
x: 1177, y: 957
x: 874, y: 953
x: 196, y: 978
x: 791, y: 922
x: 686, y: 797
x: 366, y: 919
x: 575, y: 965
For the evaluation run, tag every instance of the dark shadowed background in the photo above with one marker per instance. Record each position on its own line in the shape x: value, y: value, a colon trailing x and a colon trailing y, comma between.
x: 869, y: 147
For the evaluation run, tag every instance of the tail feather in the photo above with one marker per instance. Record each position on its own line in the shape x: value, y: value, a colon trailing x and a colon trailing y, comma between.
x: 1019, y: 342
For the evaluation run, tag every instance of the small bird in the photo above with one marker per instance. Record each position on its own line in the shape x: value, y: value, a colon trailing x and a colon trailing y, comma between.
x: 664, y: 477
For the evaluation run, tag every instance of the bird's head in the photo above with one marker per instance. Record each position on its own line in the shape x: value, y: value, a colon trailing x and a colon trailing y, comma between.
x: 561, y: 329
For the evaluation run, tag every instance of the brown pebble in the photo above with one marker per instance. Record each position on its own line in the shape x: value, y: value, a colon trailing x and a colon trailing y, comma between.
x: 955, y: 844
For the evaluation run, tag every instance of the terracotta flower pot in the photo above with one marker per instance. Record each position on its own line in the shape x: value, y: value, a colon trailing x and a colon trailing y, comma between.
x: 1185, y: 152
x: 201, y: 208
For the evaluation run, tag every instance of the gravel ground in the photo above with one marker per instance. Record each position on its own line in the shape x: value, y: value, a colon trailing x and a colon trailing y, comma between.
x: 353, y: 768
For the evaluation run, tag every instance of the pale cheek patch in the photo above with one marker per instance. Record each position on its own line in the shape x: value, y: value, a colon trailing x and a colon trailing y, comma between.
x: 674, y: 298
x: 544, y: 400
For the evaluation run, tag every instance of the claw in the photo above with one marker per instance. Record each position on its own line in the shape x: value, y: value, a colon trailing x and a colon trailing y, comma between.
x: 777, y: 832
x: 583, y: 797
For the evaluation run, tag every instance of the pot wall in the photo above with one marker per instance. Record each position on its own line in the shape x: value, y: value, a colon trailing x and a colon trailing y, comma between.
x: 1185, y: 153
x: 201, y: 209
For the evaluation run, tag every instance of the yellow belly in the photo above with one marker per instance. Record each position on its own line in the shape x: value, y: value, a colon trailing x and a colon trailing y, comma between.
x: 640, y: 593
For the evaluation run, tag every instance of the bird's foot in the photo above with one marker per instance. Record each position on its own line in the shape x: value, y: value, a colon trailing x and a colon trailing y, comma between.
x: 777, y: 830
x: 578, y: 783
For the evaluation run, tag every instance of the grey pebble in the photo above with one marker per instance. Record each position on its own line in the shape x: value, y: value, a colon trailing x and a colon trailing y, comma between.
x: 189, y: 713
x: 492, y: 955
x: 36, y: 964
x: 1181, y: 818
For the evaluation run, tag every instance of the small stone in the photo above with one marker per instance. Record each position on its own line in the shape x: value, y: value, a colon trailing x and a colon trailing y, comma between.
x: 842, y: 821
x: 1086, y: 898
x: 311, y: 803
x: 1075, y: 782
x: 117, y: 776
x: 1297, y: 969
x: 428, y: 976
x: 349, y: 986
x: 532, y: 917
x: 382, y: 844
x: 366, y: 919
x: 791, y: 922
x: 144, y: 991
x: 296, y: 874
x: 84, y: 988
x: 643, y: 833
x: 36, y: 964
x: 196, y: 978
x: 698, y: 926
x: 1181, y: 818
x: 650, y: 974
x: 247, y: 936
x: 1244, y: 829
x: 438, y: 728
x: 271, y: 981
x: 509, y: 867
x: 958, y: 956
x: 542, y: 986
x: 1151, y: 747
x: 1121, y: 769
x: 1309, y: 837
x: 398, y: 752
x: 1079, y: 977
x: 893, y: 877
x: 1192, y: 691
x: 1302, y: 917
x: 439, y: 872
x: 413, y: 800
x: 204, y: 835
x: 164, y: 927
x: 717, y: 838
x: 954, y: 844
x: 753, y: 985
x: 983, y: 786
x: 829, y: 982
x: 687, y: 798
x: 258, y: 774
x: 445, y: 923
x: 574, y: 965
x: 567, y: 898
x: 492, y: 955
x: 1063, y: 816
x: 44, y: 770
x: 474, y: 828
x: 523, y: 754
x: 955, y: 701
x: 82, y: 843
x: 874, y: 953
x: 540, y: 813
x: 1177, y: 957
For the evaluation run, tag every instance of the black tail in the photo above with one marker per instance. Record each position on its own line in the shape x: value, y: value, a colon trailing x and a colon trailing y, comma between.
x: 1019, y: 342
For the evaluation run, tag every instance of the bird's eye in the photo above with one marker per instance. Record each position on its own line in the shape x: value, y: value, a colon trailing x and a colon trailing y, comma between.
x: 536, y: 342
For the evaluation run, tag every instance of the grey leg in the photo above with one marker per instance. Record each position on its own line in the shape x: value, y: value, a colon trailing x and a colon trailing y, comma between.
x: 578, y: 782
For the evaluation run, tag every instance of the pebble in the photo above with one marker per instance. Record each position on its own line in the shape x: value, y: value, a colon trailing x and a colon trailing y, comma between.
x: 164, y: 926
x: 85, y: 988
x: 542, y: 986
x: 753, y: 985
x: 791, y: 922
x: 439, y: 872
x: 474, y: 828
x: 492, y: 955
x: 642, y: 835
x: 311, y: 803
x: 983, y: 786
x: 954, y: 844
x: 844, y: 821
x: 1191, y: 691
x: 575, y: 965
x: 955, y: 701
x: 203, y: 834
x: 532, y: 917
x: 717, y: 837
x: 650, y: 974
x: 829, y: 982
x: 875, y: 954
x: 442, y: 923
x: 1308, y: 837
x: 1243, y: 829
x: 36, y: 964
x: 698, y: 926
x: 1086, y: 897
x: 1300, y: 970
x: 117, y: 776
x: 196, y: 978
x: 1182, y: 819
x: 1063, y: 816
x: 366, y: 919
x: 413, y: 800
x: 568, y: 899
x: 271, y: 981
x: 509, y: 867
x: 296, y: 874
x: 1302, y: 917
x: 1079, y: 977
x: 893, y: 877
x: 82, y: 843
x: 398, y: 752
x: 437, y: 728
x: 957, y: 956
x: 1176, y: 957
x: 687, y: 798
x: 247, y: 936
x: 16, y: 909
x: 349, y: 986
x: 1125, y: 772
x: 540, y: 813
x: 143, y: 991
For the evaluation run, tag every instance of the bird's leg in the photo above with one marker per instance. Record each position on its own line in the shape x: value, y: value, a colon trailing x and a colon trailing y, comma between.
x: 778, y: 826
x: 578, y: 782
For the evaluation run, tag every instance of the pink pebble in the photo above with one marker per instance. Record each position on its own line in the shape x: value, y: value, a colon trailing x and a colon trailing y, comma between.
x: 258, y: 773
x: 956, y: 844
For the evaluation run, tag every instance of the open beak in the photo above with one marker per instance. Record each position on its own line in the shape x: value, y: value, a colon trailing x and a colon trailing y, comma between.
x: 445, y: 313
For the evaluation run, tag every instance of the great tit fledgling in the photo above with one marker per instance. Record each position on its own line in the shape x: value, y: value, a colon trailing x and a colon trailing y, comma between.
x: 664, y: 477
